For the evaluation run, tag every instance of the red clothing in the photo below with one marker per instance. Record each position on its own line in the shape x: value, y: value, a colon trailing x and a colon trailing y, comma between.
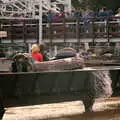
x: 37, y: 56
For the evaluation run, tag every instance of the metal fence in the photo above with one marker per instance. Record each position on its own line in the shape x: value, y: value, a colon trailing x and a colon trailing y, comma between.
x: 64, y: 32
x: 76, y: 29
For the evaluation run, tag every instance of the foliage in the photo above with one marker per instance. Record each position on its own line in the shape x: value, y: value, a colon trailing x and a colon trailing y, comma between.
x: 95, y: 4
x: 76, y: 3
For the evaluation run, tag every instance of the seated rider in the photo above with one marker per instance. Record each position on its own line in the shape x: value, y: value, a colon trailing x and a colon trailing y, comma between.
x: 43, y: 51
x: 36, y: 55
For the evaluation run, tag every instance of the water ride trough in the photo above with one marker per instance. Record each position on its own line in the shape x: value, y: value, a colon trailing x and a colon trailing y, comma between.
x: 59, y: 79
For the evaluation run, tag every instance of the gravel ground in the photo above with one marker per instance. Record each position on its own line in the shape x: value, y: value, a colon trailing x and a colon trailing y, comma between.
x: 107, y: 109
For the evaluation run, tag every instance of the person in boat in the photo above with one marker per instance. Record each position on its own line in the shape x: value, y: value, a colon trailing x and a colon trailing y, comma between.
x: 43, y: 51
x: 66, y: 52
x: 36, y: 54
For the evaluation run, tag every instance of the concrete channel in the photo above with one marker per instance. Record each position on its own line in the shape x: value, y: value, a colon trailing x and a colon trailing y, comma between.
x: 107, y: 109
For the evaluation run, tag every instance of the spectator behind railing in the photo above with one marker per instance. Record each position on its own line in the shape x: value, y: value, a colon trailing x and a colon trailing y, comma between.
x: 62, y: 14
x: 49, y: 16
x: 88, y: 20
x: 80, y: 12
x: 103, y: 14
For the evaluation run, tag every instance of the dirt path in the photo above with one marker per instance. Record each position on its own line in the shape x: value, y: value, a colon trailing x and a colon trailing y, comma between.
x: 108, y: 109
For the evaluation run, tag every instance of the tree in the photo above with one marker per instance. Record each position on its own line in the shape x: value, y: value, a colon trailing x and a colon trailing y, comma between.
x: 95, y: 4
x: 83, y: 3
x: 76, y: 3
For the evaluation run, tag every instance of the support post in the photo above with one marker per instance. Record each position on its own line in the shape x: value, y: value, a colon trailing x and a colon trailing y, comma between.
x: 93, y: 31
x: 29, y: 47
x: 0, y: 30
x: 67, y: 5
x: 40, y: 21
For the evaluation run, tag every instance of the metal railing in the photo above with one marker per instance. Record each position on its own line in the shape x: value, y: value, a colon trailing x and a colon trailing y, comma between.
x: 64, y: 30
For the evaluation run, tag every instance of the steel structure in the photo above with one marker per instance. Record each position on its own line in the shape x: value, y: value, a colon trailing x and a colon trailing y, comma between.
x: 31, y: 8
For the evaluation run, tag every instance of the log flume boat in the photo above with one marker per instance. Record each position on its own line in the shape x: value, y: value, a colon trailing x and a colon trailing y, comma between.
x: 84, y: 78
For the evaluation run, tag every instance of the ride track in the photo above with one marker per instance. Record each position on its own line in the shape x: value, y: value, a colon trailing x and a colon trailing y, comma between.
x: 58, y: 86
x: 53, y: 83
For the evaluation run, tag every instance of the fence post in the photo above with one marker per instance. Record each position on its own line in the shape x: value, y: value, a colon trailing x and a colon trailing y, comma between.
x: 50, y: 30
x: 108, y: 29
x: 64, y: 24
x: 78, y: 32
x: 93, y: 31
x: 37, y: 27
x: 40, y: 21
x: 24, y: 30
x: 11, y: 28
x: 0, y: 29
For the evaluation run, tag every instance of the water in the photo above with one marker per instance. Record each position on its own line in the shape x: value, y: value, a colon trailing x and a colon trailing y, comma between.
x: 103, y: 115
x: 108, y: 109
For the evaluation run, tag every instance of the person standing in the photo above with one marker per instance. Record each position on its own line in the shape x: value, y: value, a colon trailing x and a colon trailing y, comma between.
x: 37, y: 56
x: 88, y: 15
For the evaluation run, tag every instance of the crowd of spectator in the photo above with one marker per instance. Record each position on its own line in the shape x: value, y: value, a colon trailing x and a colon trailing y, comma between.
x: 80, y: 13
x: 85, y: 16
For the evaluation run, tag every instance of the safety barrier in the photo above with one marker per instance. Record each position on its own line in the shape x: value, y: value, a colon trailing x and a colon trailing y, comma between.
x: 68, y: 28
x: 64, y: 82
x: 27, y: 84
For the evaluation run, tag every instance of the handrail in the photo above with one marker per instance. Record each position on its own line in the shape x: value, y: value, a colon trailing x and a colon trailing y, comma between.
x: 66, y: 28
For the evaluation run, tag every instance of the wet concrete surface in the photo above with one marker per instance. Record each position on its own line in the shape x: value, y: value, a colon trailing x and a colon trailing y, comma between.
x: 108, y: 109
x: 103, y: 115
